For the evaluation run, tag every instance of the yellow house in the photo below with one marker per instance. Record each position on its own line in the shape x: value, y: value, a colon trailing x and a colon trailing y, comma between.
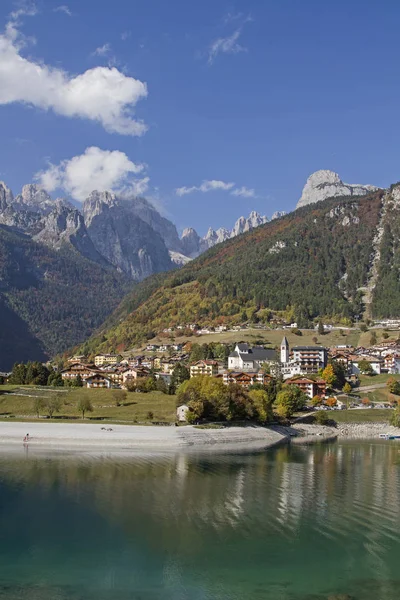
x: 106, y: 359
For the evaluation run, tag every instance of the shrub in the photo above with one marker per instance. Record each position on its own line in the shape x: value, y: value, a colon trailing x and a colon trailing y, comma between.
x: 395, y: 418
x: 321, y: 418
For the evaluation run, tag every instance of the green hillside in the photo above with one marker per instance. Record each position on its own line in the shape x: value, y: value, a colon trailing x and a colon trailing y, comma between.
x: 308, y: 264
x: 49, y: 300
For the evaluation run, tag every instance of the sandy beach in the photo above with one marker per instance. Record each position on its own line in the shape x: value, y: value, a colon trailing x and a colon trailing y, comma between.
x: 126, y: 437
x: 96, y: 437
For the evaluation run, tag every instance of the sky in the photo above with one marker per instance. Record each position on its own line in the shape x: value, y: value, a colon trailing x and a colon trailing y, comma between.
x: 210, y: 109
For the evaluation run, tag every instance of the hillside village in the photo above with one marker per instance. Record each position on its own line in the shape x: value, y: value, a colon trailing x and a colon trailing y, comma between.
x: 240, y: 363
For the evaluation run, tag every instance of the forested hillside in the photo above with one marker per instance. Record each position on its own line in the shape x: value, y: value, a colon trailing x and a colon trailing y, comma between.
x: 49, y: 300
x: 309, y: 263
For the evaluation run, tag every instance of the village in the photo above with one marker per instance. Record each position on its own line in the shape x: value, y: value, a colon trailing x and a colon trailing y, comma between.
x: 246, y: 365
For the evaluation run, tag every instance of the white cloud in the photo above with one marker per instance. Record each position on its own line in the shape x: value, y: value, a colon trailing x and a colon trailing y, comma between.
x: 125, y: 35
x: 95, y: 169
x: 25, y: 9
x: 226, y: 45
x: 244, y: 192
x: 206, y: 186
x: 64, y: 9
x: 101, y: 94
x: 102, y: 50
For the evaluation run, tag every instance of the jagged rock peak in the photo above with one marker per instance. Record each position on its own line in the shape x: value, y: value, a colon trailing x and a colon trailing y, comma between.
x: 278, y: 214
x: 325, y: 184
x: 190, y: 242
x: 6, y: 196
x: 104, y: 197
x: 33, y: 198
x: 242, y: 224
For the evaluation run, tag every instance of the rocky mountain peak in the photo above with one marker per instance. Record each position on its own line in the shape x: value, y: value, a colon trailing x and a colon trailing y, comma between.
x: 33, y: 198
x: 65, y: 224
x: 6, y: 196
x: 325, y: 184
x: 190, y: 242
x: 278, y: 214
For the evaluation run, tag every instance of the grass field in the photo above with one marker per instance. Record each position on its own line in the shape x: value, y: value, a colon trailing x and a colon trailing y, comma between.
x: 273, y: 337
x: 366, y: 380
x: 374, y: 415
x: 135, y: 410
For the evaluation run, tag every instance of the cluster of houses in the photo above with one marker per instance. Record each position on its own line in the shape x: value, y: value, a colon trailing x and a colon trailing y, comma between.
x: 246, y: 365
x: 382, y: 358
x: 112, y: 370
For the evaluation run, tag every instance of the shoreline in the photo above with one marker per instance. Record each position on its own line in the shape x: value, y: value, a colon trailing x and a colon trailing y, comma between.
x: 89, y: 437
x: 153, y: 438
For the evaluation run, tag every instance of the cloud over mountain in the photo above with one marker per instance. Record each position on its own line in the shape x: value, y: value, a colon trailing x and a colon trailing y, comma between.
x: 110, y: 170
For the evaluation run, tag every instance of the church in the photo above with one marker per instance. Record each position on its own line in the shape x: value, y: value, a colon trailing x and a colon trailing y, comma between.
x: 301, y: 360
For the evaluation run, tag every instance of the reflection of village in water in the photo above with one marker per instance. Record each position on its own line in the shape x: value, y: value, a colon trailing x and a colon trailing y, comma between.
x: 330, y: 512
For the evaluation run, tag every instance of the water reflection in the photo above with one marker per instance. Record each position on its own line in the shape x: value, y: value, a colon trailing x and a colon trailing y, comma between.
x: 293, y: 523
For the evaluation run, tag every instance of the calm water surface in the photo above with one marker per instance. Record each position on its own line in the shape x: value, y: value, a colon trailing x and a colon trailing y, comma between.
x: 288, y: 524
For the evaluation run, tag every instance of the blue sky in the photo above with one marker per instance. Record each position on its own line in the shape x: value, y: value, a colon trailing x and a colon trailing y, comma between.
x: 253, y: 96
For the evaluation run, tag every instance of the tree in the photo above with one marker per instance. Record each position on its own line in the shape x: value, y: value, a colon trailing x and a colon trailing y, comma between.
x: 79, y: 381
x: 161, y: 386
x: 363, y: 327
x: 316, y: 401
x: 53, y: 404
x: 84, y: 405
x: 347, y: 388
x: 179, y: 375
x: 395, y: 417
x: 130, y: 385
x: 328, y: 375
x: 321, y: 328
x: 55, y: 379
x: 385, y: 335
x: 321, y: 418
x: 331, y: 402
x: 149, y: 384
x: 119, y: 396
x: 315, y: 339
x: 365, y: 367
x: 393, y: 386
x: 366, y: 401
x: 18, y: 374
x: 262, y: 405
x: 196, y: 353
x: 289, y: 400
x: 373, y: 339
x: 38, y: 405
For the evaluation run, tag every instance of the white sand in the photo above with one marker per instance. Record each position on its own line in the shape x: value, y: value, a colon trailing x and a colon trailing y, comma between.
x: 126, y: 437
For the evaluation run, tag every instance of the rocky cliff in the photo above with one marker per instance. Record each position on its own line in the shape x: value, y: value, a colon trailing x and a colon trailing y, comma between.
x: 327, y: 184
x: 123, y: 238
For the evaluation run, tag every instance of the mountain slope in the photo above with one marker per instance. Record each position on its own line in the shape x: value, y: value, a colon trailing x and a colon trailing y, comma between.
x: 49, y: 300
x: 314, y: 262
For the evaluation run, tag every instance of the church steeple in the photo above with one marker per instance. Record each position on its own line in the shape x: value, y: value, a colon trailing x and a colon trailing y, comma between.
x: 284, y: 350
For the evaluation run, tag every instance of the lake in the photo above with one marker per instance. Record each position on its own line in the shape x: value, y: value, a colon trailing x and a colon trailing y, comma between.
x: 292, y: 523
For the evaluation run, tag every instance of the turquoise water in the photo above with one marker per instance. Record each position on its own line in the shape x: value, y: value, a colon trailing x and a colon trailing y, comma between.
x: 289, y: 524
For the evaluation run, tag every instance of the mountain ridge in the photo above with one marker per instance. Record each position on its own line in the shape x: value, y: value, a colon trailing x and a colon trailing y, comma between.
x: 314, y: 262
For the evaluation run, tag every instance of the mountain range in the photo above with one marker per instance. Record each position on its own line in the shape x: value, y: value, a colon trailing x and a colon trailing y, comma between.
x: 64, y: 270
x: 338, y: 258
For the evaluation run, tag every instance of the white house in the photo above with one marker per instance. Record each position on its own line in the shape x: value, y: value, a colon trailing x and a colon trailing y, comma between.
x: 181, y: 413
x: 374, y: 362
